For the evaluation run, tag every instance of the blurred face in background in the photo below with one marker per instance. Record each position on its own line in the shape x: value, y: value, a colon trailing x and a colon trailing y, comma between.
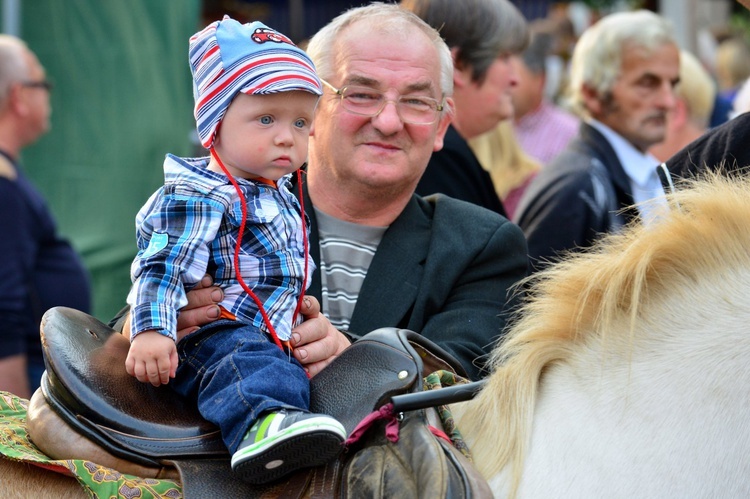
x: 642, y: 97
x: 528, y: 93
x: 481, y: 105
x: 34, y: 100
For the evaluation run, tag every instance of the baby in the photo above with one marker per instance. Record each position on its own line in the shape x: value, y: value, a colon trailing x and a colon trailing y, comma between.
x: 233, y: 215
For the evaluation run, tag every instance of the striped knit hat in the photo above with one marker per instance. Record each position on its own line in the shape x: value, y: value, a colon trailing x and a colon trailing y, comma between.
x: 227, y: 57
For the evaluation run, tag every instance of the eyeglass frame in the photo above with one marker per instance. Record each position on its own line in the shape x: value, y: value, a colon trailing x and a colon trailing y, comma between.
x: 439, y: 106
x: 45, y: 84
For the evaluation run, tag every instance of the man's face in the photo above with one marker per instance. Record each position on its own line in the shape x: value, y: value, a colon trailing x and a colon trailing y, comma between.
x: 480, y: 106
x: 528, y: 94
x: 642, y: 96
x: 380, y: 152
x: 36, y: 100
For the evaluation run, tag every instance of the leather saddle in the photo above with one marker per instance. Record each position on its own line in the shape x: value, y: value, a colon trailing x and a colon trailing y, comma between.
x: 89, y: 408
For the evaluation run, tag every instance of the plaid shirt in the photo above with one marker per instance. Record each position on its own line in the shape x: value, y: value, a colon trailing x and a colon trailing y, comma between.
x: 189, y: 227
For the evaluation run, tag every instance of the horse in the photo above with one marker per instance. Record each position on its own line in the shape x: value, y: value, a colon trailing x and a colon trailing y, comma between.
x: 626, y: 373
x: 20, y: 480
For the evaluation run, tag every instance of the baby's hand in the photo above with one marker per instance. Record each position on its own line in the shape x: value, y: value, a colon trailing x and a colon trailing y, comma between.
x: 152, y: 358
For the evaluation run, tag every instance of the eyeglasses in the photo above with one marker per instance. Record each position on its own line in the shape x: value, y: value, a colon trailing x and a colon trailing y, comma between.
x: 46, y: 85
x: 365, y: 101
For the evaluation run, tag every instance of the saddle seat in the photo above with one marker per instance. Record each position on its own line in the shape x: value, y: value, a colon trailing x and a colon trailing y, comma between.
x: 89, y: 408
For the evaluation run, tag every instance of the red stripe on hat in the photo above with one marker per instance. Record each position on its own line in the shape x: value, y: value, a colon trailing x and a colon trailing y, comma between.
x: 208, y: 54
x: 282, y: 78
x: 242, y: 69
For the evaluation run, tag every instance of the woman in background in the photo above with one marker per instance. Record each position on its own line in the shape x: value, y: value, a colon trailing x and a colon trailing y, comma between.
x: 510, y: 168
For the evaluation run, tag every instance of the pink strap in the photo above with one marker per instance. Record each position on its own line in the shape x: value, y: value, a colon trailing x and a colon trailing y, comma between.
x: 440, y: 434
x: 391, y: 428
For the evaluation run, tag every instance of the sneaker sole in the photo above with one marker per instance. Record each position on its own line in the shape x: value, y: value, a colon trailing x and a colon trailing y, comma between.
x: 287, y: 454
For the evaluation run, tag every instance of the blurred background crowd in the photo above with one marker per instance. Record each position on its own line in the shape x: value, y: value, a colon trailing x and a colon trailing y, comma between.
x: 122, y: 98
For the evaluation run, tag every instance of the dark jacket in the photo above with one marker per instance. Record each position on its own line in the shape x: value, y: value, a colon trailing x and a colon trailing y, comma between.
x: 444, y: 269
x: 575, y: 198
x: 40, y: 269
x: 455, y: 171
x: 722, y: 148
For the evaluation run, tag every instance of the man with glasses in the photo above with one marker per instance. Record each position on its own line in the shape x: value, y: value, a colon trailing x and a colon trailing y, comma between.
x: 40, y: 269
x: 414, y: 109
x: 387, y: 257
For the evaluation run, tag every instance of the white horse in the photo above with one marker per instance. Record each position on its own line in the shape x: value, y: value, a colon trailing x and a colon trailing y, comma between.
x: 628, y: 374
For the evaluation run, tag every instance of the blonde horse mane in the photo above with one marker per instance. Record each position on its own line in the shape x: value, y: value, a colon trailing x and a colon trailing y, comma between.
x: 587, y: 294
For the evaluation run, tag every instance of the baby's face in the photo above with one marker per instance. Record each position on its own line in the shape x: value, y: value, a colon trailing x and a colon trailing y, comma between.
x: 266, y: 135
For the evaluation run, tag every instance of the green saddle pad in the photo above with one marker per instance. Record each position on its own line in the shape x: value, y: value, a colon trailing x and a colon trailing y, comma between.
x: 97, y: 480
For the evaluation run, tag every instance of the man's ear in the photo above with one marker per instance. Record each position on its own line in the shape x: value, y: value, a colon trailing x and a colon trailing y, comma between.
x: 591, y: 101
x: 442, y: 127
x: 15, y: 101
x: 461, y: 73
x: 679, y: 114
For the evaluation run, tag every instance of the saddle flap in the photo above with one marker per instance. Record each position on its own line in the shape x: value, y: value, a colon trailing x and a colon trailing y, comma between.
x: 365, y: 376
x: 419, y: 464
x: 86, y: 383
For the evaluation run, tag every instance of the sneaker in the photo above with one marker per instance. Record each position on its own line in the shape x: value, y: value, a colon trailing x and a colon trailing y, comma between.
x: 284, y: 441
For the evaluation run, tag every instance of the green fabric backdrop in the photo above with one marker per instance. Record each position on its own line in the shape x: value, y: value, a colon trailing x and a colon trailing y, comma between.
x: 122, y: 100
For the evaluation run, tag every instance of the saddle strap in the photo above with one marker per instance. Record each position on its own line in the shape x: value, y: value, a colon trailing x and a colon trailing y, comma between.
x: 213, y: 478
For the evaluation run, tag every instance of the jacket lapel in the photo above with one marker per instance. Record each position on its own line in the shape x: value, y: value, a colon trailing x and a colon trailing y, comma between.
x: 608, y: 156
x: 620, y: 180
x: 390, y: 287
x: 313, y: 244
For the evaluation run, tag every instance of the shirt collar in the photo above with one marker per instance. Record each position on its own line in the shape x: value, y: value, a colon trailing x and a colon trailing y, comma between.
x: 640, y: 168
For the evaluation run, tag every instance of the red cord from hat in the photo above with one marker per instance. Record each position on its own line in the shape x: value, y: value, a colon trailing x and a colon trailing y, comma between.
x: 243, y: 203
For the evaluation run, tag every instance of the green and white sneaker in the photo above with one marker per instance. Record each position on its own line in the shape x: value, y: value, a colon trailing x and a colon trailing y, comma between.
x: 284, y: 441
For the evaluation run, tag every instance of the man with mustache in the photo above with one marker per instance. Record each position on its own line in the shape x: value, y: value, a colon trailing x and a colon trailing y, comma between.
x: 623, y: 73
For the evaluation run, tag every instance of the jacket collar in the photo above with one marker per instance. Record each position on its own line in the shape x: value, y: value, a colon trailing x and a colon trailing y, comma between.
x: 604, y: 151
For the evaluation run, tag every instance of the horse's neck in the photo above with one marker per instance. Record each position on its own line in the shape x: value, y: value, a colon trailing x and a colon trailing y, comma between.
x: 665, y: 419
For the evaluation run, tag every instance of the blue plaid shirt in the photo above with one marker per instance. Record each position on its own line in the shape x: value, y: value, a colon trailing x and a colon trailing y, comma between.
x: 189, y: 227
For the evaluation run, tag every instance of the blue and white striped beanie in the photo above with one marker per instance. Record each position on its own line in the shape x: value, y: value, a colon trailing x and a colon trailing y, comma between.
x: 227, y: 57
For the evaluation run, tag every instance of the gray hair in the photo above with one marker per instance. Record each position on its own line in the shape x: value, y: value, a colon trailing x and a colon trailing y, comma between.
x: 481, y: 30
x: 13, y: 66
x: 597, y: 57
x: 387, y: 18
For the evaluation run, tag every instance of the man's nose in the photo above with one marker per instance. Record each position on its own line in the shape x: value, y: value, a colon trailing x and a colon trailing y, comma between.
x: 667, y: 98
x: 388, y: 121
x: 512, y: 76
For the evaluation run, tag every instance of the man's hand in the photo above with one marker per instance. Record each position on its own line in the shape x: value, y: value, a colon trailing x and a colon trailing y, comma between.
x: 152, y: 358
x: 202, y: 307
x: 316, y: 342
